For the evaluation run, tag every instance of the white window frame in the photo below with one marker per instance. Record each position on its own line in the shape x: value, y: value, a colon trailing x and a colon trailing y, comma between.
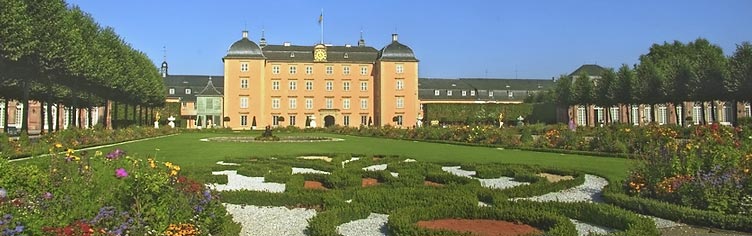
x: 244, y: 102
x: 363, y: 103
x: 293, y: 70
x: 436, y: 92
x: 346, y: 86
x: 329, y: 103
x: 399, y: 68
x: 748, y: 109
x: 309, y: 85
x: 309, y: 103
x: 243, y: 120
x: 275, y: 85
x: 19, y: 114
x: 244, y: 67
x: 309, y: 70
x: 346, y: 70
x: 662, y: 115
x: 449, y: 92
x: 293, y: 85
x: 275, y: 120
x: 600, y: 117
x: 244, y: 83
x: 472, y: 92
x: 2, y: 114
x: 363, y: 85
x: 614, y: 113
x: 647, y: 113
x: 635, y: 115
x: 188, y: 91
x: 363, y: 120
x: 275, y: 103
x: 292, y: 103
x: 292, y: 121
x: 400, y: 84
x: 329, y: 70
x: 171, y: 91
x: 400, y: 102
x: 400, y: 120
x: 346, y: 120
x: 329, y: 85
x: 346, y: 104
x: 510, y: 94
x: 363, y: 70
x: 464, y: 93
x: 490, y: 93
x: 581, y: 119
x: 275, y: 69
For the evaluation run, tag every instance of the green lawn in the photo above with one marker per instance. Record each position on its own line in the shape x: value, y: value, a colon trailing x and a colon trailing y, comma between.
x: 188, y: 151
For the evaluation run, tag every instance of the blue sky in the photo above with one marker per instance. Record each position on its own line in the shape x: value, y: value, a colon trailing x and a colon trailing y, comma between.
x: 496, y: 39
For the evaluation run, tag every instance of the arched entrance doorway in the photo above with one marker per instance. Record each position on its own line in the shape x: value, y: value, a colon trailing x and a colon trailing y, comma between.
x: 328, y: 121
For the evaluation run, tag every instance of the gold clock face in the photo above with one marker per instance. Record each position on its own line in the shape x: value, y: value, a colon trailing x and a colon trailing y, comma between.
x: 319, y: 55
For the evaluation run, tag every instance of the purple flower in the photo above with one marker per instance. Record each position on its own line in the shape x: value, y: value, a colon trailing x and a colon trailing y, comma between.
x: 121, y: 173
x: 3, y: 193
x: 47, y: 196
x: 117, y: 153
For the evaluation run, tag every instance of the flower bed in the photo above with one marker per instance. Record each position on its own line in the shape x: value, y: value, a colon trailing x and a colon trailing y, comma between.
x: 82, y: 193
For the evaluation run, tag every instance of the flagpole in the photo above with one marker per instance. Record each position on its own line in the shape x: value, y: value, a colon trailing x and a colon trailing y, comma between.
x: 322, y: 25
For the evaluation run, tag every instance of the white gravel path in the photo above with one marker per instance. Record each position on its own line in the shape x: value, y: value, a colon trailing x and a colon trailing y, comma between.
x: 222, y: 163
x: 496, y: 183
x: 589, y: 191
x: 263, y: 221
x: 348, y: 161
x: 240, y: 182
x: 586, y: 229
x: 296, y: 170
x: 373, y: 225
x: 323, y: 158
x: 409, y: 160
x: 375, y: 167
x: 663, y: 223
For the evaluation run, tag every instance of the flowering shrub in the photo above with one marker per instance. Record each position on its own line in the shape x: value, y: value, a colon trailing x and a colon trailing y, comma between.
x: 84, y: 193
x: 710, y: 170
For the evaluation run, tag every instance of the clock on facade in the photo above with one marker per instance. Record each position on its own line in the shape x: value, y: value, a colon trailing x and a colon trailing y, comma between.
x: 319, y: 53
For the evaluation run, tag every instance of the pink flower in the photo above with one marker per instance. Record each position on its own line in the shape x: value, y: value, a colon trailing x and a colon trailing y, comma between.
x: 121, y: 173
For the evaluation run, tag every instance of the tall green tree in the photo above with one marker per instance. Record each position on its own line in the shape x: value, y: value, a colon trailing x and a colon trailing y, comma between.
x: 563, y: 93
x: 740, y: 74
x: 712, y: 73
x: 583, y: 93
x: 605, y: 92
x: 650, y: 86
x: 624, y: 89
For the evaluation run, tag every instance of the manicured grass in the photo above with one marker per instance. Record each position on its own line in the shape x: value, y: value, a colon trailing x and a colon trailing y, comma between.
x: 188, y: 151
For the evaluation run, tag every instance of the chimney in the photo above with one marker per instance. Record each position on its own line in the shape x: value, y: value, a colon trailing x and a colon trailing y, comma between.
x: 245, y: 34
x: 394, y: 37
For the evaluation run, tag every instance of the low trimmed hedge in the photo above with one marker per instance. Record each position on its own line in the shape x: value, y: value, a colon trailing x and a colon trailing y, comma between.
x: 613, y: 195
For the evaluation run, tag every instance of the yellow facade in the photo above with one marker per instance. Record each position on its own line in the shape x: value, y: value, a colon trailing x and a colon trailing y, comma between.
x: 317, y: 86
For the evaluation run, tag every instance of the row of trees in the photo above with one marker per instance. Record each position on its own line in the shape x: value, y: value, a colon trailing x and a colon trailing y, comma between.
x: 56, y: 54
x: 671, y: 73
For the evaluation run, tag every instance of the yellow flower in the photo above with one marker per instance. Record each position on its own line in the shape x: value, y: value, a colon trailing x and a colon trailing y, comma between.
x: 152, y: 164
x: 58, y: 145
x: 98, y: 154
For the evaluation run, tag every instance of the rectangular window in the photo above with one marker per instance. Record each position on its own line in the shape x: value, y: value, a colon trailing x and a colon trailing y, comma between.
x: 363, y: 70
x: 400, y: 102
x: 329, y: 70
x: 2, y: 114
x: 400, y: 84
x: 308, y: 85
x: 696, y: 113
x: 399, y: 120
x: 243, y: 120
x: 309, y: 70
x: 363, y: 85
x: 293, y: 70
x: 309, y: 103
x: 449, y: 92
x: 275, y: 103
x: 275, y: 120
x: 647, y: 117
x: 472, y: 92
x: 19, y: 114
x: 581, y: 115
x: 510, y: 94
x: 329, y: 103
x: 172, y: 91
x: 346, y: 70
x: 614, y: 114
x: 490, y: 93
x: 275, y: 85
x: 292, y: 121
x: 293, y: 85
x: 635, y: 116
x: 363, y: 103
x: 400, y: 69
x: 346, y: 120
x: 346, y: 86
x: 598, y: 115
x: 275, y: 69
x: 346, y: 104
x: 244, y: 83
x: 187, y: 91
x: 436, y: 92
x: 293, y: 103
x: 244, y: 67
x: 662, y: 115
x: 748, y: 110
x: 243, y: 102
x: 329, y: 85
x: 363, y: 120
x: 464, y: 93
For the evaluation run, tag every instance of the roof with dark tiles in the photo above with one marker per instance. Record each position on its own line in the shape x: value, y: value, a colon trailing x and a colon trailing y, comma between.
x: 196, y: 83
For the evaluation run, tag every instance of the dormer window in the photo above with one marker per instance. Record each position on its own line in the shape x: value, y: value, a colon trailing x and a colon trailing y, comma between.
x: 172, y: 91
x: 464, y: 93
x: 347, y: 56
x: 292, y: 54
x: 449, y: 92
x: 187, y: 91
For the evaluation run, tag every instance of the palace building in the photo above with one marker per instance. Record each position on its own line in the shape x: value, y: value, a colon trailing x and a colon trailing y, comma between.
x: 319, y: 85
